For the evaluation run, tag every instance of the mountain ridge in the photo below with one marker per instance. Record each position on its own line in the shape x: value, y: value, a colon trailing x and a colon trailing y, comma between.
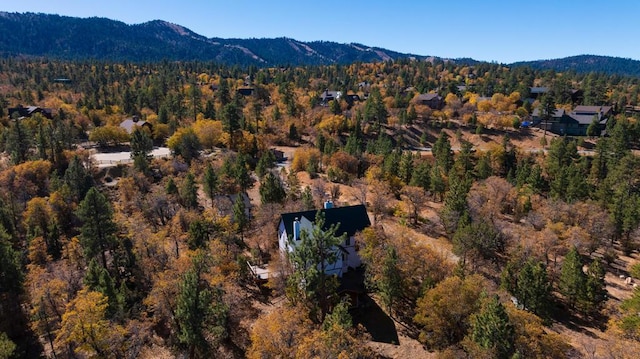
x: 72, y: 38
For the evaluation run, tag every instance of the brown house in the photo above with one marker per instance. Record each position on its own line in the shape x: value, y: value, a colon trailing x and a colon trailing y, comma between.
x: 433, y: 100
x: 134, y: 122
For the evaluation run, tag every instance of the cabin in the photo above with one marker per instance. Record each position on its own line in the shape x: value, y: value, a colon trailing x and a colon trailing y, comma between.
x: 24, y: 112
x: 245, y: 91
x: 327, y: 96
x: 433, y: 100
x: 350, y: 220
x: 131, y: 124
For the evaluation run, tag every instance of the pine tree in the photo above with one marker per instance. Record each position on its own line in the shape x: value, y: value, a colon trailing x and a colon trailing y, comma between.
x: 405, y: 170
x: 78, y: 178
x: 422, y: 176
x: 210, y: 182
x: 313, y: 253
x: 98, y: 229
x: 200, y: 312
x: 491, y: 329
x: 443, y: 153
x: 595, y: 292
x: 390, y: 284
x: 266, y: 162
x: 241, y: 173
x: 231, y: 121
x: 307, y: 199
x: 240, y: 217
x: 533, y: 289
x: 272, y: 189
x: 572, y: 278
x: 199, y: 233
x: 189, y: 191
x: 18, y: 142
x: 141, y: 145
x: 171, y: 187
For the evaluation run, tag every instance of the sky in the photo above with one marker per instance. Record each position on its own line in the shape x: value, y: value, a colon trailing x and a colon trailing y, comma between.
x: 491, y: 30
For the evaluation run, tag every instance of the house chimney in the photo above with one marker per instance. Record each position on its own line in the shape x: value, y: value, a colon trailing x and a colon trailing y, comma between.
x: 296, y: 229
x: 328, y: 204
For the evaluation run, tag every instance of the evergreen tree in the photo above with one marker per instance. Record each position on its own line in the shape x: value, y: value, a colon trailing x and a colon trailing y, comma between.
x: 210, y: 182
x: 390, y: 284
x: 171, y: 187
x: 529, y: 284
x: 548, y: 109
x: 455, y: 202
x: 240, y: 217
x: 271, y: 189
x: 307, y: 199
x: 266, y: 162
x: 313, y: 254
x: 188, y: 146
x: 18, y: 142
x: 353, y: 146
x: 189, y: 192
x: 572, y: 279
x: 443, y: 153
x: 594, y: 128
x: 405, y: 170
x: 200, y: 313
x: 491, y: 329
x: 163, y: 115
x: 483, y: 167
x: 231, y: 121
x: 210, y: 110
x: 78, y: 178
x: 98, y: 229
x: 422, y: 176
x: 241, y: 173
x: 338, y: 318
x: 595, y: 293
x: 438, y: 186
x: 224, y: 95
x: 199, y: 234
x: 141, y: 145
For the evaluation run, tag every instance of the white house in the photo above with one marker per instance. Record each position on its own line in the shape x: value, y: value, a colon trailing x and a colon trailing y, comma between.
x: 350, y: 220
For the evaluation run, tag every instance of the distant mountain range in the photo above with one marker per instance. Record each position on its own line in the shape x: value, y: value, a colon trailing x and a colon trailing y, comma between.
x: 71, y: 38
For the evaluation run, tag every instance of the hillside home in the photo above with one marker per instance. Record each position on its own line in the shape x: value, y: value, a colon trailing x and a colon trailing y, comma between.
x: 574, y: 123
x: 536, y: 93
x: 327, y: 96
x: 130, y: 124
x: 245, y: 91
x: 433, y: 100
x: 350, y: 220
x: 22, y: 112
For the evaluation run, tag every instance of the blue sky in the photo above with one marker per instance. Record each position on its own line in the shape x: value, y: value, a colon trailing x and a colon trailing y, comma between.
x: 491, y: 30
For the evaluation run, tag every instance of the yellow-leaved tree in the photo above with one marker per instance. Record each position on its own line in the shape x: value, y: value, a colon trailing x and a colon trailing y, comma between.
x: 85, y: 328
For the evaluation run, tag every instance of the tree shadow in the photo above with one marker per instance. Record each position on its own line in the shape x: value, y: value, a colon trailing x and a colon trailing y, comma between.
x: 377, y: 323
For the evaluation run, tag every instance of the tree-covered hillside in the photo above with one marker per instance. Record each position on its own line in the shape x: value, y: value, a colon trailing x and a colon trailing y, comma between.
x: 487, y: 239
x: 586, y: 64
x: 70, y: 38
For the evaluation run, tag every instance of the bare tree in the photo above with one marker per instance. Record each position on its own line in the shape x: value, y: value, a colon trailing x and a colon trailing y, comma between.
x: 335, y: 192
x: 414, y: 198
x: 362, y: 188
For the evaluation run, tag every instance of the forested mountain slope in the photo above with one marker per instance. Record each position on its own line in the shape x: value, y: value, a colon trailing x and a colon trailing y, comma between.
x: 66, y: 37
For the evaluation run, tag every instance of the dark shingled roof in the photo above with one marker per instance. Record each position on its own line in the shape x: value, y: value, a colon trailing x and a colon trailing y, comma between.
x: 428, y: 96
x: 351, y: 219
